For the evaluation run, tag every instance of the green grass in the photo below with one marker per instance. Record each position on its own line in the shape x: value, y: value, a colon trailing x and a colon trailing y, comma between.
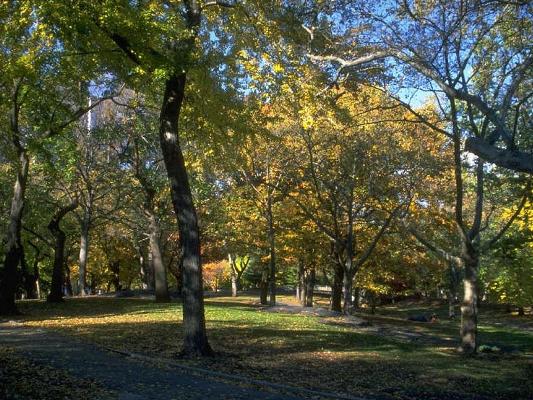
x: 302, y: 351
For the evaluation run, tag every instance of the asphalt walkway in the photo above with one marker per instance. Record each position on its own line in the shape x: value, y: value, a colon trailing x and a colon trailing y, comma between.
x: 130, y: 378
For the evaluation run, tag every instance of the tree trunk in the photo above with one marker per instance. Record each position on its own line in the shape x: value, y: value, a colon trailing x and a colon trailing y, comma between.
x: 160, y: 272
x: 67, y: 285
x: 234, y: 276
x: 28, y: 277
x: 84, y: 253
x: 347, y: 284
x: 114, y: 267
x: 272, y: 251
x: 233, y: 285
x: 37, y: 276
x: 451, y: 305
x: 469, y: 307
x: 176, y: 268
x: 56, y: 289
x: 356, y: 295
x: 300, y: 281
x: 452, y: 288
x: 146, y: 271
x: 309, y: 287
x: 13, y: 251
x: 195, y: 336
x: 264, y: 286
x: 336, y: 288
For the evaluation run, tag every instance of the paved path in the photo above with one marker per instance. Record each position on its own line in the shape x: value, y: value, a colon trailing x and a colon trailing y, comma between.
x: 133, y: 380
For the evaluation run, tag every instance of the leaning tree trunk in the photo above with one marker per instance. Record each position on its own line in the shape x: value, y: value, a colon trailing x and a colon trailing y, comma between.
x: 160, y: 272
x: 195, y: 336
x: 469, y: 311
x: 56, y: 289
x: 336, y: 288
x: 13, y: 251
x: 84, y: 253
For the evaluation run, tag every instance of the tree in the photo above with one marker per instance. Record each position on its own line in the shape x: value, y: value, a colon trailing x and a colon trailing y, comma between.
x: 33, y: 118
x: 473, y: 57
x: 56, y: 290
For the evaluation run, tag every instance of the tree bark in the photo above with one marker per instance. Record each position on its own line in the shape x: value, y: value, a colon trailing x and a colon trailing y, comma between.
x: 336, y: 288
x: 56, y: 288
x: 511, y: 159
x: 28, y: 277
x: 469, y: 310
x: 114, y: 267
x: 300, y: 287
x: 263, y: 296
x: 13, y: 250
x: 84, y: 251
x: 452, y: 288
x: 160, y: 272
x: 234, y: 275
x: 67, y: 285
x: 146, y: 271
x: 195, y: 337
x: 36, y: 275
x: 309, y: 287
x: 233, y: 285
x: 272, y: 251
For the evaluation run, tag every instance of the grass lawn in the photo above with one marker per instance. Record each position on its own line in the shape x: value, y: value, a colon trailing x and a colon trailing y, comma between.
x: 303, y: 351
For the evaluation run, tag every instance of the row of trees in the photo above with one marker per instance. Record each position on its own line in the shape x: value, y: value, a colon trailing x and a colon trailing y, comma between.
x: 312, y: 136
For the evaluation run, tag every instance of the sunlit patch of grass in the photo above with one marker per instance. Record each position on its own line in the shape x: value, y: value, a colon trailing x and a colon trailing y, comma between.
x: 301, y: 350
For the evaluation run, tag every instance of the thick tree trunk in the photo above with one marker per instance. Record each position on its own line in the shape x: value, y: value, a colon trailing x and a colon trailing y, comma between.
x: 67, y: 285
x: 146, y: 271
x: 56, y: 289
x: 234, y: 285
x: 263, y: 287
x: 469, y: 310
x: 84, y: 253
x: 195, y: 337
x: 114, y: 267
x: 160, y: 272
x: 13, y: 251
x: 336, y: 288
x: 347, y: 285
